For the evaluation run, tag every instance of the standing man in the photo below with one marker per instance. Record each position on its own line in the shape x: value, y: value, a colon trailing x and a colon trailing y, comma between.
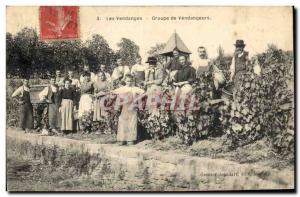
x: 22, y: 95
x: 59, y: 79
x: 50, y: 95
x: 202, y: 64
x: 240, y: 62
x: 75, y: 82
x: 102, y: 68
x: 138, y: 71
x: 86, y: 68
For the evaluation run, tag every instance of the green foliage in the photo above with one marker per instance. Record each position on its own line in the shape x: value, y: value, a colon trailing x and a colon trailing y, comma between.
x: 158, y: 124
x: 26, y: 54
x: 97, y: 51
x: 128, y: 51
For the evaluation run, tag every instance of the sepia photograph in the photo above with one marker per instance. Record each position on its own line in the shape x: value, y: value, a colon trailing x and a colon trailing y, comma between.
x: 150, y: 98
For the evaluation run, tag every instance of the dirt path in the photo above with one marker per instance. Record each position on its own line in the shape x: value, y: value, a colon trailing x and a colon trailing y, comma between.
x: 169, y: 167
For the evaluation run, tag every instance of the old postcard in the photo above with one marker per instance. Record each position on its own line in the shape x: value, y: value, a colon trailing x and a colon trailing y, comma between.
x: 153, y: 98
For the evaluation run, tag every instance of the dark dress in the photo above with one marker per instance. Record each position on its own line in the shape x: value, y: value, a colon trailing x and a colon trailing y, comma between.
x: 26, y: 111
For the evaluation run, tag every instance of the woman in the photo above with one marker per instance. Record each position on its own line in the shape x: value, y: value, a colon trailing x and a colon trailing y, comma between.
x: 86, y: 99
x: 127, y: 126
x: 138, y: 71
x: 22, y: 94
x: 101, y: 86
x: 67, y: 96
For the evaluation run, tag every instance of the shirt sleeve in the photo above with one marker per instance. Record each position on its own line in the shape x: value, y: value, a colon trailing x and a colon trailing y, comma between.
x: 43, y: 94
x: 115, y: 74
x: 126, y: 71
x: 133, y: 69
x: 168, y: 65
x: 139, y: 90
x: 81, y: 79
x: 232, y: 67
x: 119, y: 90
x: 17, y: 92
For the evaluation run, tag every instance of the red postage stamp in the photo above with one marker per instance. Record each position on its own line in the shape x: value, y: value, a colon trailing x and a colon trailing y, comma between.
x: 59, y: 22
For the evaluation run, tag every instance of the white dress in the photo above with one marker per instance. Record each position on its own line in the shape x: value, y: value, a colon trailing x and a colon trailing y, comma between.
x: 127, y: 126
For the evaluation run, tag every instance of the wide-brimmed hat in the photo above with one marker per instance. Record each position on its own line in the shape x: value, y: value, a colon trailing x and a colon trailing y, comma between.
x: 239, y: 43
x: 151, y: 60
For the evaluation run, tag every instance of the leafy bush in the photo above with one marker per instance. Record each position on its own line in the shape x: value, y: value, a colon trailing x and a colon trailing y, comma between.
x: 195, y: 125
x: 158, y: 124
x: 263, y: 105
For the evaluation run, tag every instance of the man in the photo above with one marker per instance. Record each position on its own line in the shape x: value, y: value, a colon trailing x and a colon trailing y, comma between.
x: 102, y: 68
x: 59, y: 80
x: 173, y: 65
x: 86, y: 68
x: 119, y: 72
x: 240, y: 62
x: 50, y: 95
x: 22, y: 96
x: 138, y: 71
x: 184, y: 77
x: 75, y: 82
x: 202, y: 64
x: 154, y: 75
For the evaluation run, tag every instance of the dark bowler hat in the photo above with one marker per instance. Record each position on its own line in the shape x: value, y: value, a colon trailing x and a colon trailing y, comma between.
x: 151, y: 60
x: 239, y: 43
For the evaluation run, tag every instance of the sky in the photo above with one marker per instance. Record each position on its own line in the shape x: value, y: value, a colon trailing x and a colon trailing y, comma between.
x: 257, y: 26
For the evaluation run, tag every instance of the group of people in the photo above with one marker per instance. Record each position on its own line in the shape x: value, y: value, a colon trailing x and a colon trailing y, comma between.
x: 64, y: 95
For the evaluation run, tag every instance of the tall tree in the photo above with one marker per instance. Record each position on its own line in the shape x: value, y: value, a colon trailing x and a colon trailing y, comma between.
x: 67, y: 54
x: 26, y: 44
x: 97, y: 51
x: 128, y: 51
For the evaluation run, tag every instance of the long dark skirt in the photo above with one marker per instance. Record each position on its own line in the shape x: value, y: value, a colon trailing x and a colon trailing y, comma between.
x: 54, y: 116
x: 26, y: 116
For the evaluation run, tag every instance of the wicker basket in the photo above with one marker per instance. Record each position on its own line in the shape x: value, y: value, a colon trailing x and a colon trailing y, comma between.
x: 227, y: 91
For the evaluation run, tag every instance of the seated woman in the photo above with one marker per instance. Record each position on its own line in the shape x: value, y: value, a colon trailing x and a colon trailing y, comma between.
x: 86, y: 98
x: 184, y: 78
x: 101, y: 86
x: 127, y: 126
x: 22, y: 94
x: 66, y: 97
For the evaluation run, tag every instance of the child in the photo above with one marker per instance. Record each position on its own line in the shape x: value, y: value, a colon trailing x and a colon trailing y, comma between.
x: 127, y: 126
x: 67, y: 95
x: 25, y: 111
